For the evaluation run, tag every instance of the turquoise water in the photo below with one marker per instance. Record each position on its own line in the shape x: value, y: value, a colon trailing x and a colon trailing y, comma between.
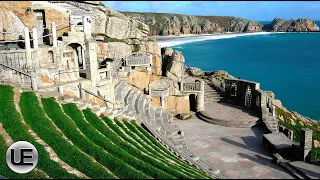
x: 287, y: 64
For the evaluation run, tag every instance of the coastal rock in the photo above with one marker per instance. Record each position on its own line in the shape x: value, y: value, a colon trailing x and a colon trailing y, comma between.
x: 175, y: 24
x: 217, y: 79
x: 176, y: 68
x: 299, y: 25
x: 113, y: 50
x: 270, y: 94
x: 10, y: 23
x: 112, y: 23
x: 152, y: 48
x: 194, y: 71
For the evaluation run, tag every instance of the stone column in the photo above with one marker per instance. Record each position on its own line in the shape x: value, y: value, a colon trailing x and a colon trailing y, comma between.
x: 200, y: 97
x: 35, y: 38
x: 305, y: 143
x: 80, y: 60
x: 27, y: 46
x: 92, y: 63
x: 72, y: 26
x: 85, y: 25
x: 81, y: 92
x: 54, y: 34
x: 83, y: 58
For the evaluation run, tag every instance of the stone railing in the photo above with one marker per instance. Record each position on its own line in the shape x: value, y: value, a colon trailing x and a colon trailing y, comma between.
x: 17, y: 66
x: 138, y: 60
x: 191, y: 86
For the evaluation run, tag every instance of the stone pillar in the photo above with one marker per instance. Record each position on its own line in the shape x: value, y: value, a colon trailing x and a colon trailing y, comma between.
x: 162, y: 101
x: 35, y: 38
x: 80, y: 60
x: 85, y: 25
x: 92, y: 63
x: 27, y: 46
x: 54, y: 34
x: 81, y: 92
x: 60, y: 89
x: 72, y: 26
x: 27, y: 39
x: 83, y: 58
x: 305, y: 143
x: 274, y: 111
x: 200, y: 97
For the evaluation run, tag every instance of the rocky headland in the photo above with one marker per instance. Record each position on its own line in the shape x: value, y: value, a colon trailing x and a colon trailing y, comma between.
x: 299, y: 25
x: 165, y: 24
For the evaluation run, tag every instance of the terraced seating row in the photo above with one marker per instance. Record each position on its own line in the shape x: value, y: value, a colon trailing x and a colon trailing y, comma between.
x: 158, y: 123
x: 12, y: 123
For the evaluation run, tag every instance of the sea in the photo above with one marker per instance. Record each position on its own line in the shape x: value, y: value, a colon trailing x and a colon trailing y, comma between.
x: 286, y: 63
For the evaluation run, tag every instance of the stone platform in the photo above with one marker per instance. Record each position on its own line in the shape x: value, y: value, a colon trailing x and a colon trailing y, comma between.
x: 225, y: 114
x: 309, y: 170
x: 277, y: 140
x: 237, y: 152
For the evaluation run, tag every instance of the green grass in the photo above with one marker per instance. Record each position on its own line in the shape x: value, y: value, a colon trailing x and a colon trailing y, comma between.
x: 35, y: 118
x: 119, y: 148
x: 173, y: 173
x: 101, y: 127
x: 315, y: 153
x: 178, y: 166
x: 136, y: 48
x: 148, y: 138
x: 108, y: 159
x: 11, y: 121
x: 8, y: 173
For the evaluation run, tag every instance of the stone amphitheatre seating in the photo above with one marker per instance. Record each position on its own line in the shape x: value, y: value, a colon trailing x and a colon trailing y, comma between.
x: 61, y: 127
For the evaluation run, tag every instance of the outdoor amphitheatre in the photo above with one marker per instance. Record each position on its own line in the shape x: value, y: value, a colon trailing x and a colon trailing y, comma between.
x: 99, y: 99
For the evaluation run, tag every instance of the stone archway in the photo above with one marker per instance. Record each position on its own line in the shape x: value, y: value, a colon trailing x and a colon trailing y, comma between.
x: 74, y: 61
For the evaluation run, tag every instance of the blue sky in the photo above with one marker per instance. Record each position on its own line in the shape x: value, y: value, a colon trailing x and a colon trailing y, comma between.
x: 254, y: 10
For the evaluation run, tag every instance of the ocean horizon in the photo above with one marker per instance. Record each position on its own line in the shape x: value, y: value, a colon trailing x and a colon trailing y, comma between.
x: 287, y: 64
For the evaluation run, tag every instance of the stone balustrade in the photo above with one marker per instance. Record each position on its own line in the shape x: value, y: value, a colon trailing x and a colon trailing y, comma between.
x: 191, y: 86
x: 138, y: 60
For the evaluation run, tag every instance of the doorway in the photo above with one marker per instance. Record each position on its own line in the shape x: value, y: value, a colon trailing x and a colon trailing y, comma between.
x: 40, y: 24
x: 193, y: 102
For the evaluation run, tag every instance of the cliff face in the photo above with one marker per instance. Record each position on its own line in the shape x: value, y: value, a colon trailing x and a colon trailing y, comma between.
x: 175, y: 24
x: 299, y: 25
x: 112, y: 23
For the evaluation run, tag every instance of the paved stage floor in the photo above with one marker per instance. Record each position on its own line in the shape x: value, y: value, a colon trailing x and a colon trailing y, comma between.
x: 237, y: 152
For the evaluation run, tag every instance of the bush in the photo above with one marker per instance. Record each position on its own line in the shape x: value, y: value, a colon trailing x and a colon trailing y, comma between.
x: 136, y: 48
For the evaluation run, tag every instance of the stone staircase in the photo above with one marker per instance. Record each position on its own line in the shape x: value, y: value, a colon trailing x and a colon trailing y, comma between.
x: 212, y: 95
x: 301, y: 170
x: 270, y: 121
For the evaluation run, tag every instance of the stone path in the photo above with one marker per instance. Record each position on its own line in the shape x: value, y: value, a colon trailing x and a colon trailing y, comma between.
x: 237, y: 152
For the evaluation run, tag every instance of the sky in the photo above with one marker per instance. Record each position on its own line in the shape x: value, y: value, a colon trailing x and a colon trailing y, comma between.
x: 253, y: 10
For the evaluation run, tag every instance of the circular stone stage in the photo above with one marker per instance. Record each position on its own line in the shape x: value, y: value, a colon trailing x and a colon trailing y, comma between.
x: 229, y: 115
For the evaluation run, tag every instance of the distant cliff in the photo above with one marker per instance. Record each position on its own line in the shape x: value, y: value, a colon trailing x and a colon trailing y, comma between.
x: 175, y: 24
x: 299, y: 25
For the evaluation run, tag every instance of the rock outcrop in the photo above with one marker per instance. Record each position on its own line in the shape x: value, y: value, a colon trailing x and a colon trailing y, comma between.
x: 112, y: 23
x: 216, y: 79
x: 9, y: 22
x: 194, y: 71
x: 173, y: 64
x: 175, y: 24
x: 299, y: 25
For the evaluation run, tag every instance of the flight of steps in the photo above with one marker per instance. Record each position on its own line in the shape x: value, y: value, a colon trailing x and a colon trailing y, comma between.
x: 212, y: 95
x: 270, y: 121
x: 301, y: 170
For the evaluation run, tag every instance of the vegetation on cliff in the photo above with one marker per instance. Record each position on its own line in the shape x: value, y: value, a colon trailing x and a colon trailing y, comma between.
x: 299, y: 25
x: 175, y: 24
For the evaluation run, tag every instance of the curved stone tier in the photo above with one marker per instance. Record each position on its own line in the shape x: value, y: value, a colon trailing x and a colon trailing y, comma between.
x: 224, y: 114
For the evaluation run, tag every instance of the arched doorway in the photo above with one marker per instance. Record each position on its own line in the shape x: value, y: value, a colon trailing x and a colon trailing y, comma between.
x: 74, y: 59
x: 193, y: 102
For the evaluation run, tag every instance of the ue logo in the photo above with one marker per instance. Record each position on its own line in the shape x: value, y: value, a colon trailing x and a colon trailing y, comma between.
x: 22, y: 157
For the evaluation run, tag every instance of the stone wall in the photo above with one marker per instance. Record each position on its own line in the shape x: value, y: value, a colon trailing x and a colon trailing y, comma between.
x: 178, y: 104
x: 19, y: 8
x: 141, y: 80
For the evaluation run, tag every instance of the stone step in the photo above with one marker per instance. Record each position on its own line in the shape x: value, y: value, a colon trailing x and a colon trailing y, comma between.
x: 292, y: 171
x: 50, y: 94
x: 308, y: 171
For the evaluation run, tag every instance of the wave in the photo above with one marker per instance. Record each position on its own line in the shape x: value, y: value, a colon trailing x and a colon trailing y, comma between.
x: 179, y: 41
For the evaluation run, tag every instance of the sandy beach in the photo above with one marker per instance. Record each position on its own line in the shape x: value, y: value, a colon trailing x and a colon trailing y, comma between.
x: 159, y: 38
x: 172, y: 40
